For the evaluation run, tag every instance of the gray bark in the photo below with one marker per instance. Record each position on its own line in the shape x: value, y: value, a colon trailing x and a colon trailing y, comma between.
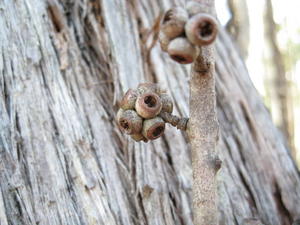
x: 63, y: 67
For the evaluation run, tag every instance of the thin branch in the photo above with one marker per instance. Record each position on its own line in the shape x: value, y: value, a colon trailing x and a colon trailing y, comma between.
x: 175, y: 121
x: 203, y: 131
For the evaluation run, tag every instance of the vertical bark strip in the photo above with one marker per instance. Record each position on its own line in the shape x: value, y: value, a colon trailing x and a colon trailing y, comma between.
x: 203, y: 134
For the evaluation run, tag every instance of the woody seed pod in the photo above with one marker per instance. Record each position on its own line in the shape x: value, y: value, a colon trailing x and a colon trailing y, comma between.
x: 201, y: 29
x: 167, y: 104
x: 119, y: 114
x: 173, y: 22
x: 138, y: 137
x: 164, y: 41
x: 150, y: 87
x: 147, y: 87
x: 153, y: 128
x: 182, y: 51
x: 129, y: 99
x: 148, y: 105
x: 194, y: 8
x: 129, y: 121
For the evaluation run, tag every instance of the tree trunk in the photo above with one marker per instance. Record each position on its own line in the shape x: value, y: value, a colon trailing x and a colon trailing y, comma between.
x: 63, y: 67
x: 238, y: 25
x: 279, y: 90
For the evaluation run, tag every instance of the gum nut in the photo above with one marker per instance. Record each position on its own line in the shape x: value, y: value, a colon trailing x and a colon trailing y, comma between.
x: 167, y: 103
x: 138, y: 137
x: 194, y: 8
x: 147, y: 87
x: 129, y: 99
x: 148, y: 105
x: 153, y: 128
x: 201, y: 29
x: 164, y: 41
x: 173, y: 22
x: 182, y: 51
x: 130, y: 122
x: 150, y: 87
x: 119, y: 114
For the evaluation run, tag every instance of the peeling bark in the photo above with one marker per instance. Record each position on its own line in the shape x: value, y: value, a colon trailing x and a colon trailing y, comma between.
x: 63, y: 66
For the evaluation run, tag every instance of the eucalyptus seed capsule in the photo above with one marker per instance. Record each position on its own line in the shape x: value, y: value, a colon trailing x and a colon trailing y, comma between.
x: 153, y: 128
x: 129, y: 121
x: 148, y: 105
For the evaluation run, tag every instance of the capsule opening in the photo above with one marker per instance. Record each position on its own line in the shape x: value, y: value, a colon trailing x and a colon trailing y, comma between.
x: 150, y: 101
x: 179, y: 58
x: 206, y: 29
x: 168, y: 16
x: 124, y: 124
x: 158, y: 131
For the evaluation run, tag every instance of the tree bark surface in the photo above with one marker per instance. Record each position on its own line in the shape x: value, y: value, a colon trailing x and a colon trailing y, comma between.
x: 63, y: 67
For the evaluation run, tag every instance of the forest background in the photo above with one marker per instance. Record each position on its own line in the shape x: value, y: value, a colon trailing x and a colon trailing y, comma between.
x: 268, y: 36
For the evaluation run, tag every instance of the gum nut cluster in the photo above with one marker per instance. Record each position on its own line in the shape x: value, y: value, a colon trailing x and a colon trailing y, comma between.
x: 184, y: 29
x: 140, y: 109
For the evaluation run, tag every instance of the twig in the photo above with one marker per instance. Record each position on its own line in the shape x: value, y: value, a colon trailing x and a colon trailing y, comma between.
x: 203, y: 131
x: 175, y: 121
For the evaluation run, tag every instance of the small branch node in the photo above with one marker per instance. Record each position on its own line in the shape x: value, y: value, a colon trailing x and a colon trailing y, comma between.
x: 218, y: 164
x: 175, y: 121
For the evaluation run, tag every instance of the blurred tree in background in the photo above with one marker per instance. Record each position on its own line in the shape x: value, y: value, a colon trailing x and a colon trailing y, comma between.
x: 273, y: 59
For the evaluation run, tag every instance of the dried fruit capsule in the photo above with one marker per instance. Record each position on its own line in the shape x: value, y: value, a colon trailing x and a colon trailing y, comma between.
x: 167, y: 104
x: 148, y: 105
x: 173, y: 22
x: 129, y: 121
x: 129, y: 99
x: 147, y: 87
x: 119, y: 114
x: 182, y: 51
x: 153, y: 128
x: 194, y: 8
x: 164, y: 41
x: 201, y: 29
x: 138, y: 137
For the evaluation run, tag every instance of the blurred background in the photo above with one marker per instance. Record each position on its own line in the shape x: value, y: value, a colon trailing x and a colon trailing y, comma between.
x: 267, y: 32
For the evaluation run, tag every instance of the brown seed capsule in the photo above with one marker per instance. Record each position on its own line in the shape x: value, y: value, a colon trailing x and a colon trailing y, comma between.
x: 194, y: 8
x: 164, y: 41
x: 153, y: 128
x: 129, y: 99
x: 182, y: 51
x: 138, y: 137
x: 148, y: 105
x: 147, y: 87
x: 119, y: 114
x: 201, y: 29
x: 129, y: 121
x: 167, y: 104
x: 150, y: 87
x: 173, y: 22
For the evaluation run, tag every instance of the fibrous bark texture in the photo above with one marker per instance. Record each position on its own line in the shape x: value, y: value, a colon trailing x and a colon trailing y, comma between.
x: 63, y: 67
